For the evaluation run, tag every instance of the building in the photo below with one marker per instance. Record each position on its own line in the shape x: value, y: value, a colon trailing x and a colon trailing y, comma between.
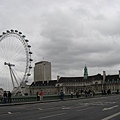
x: 97, y: 83
x: 42, y: 71
x: 47, y: 87
x: 73, y: 84
x: 112, y: 82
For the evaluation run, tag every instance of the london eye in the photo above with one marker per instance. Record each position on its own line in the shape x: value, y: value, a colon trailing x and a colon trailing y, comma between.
x: 15, y: 59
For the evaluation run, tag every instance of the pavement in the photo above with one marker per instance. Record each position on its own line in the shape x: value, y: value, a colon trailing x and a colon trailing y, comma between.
x: 35, y: 102
x: 44, y: 101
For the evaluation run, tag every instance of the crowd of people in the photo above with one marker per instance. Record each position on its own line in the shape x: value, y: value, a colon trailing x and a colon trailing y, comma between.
x: 6, y: 97
x: 108, y: 92
x: 78, y: 93
x: 86, y: 93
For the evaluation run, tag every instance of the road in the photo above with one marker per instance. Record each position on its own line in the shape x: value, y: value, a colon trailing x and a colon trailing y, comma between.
x: 102, y: 108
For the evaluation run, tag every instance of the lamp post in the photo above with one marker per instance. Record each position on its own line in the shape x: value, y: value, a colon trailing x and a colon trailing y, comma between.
x: 58, y: 86
x: 75, y: 85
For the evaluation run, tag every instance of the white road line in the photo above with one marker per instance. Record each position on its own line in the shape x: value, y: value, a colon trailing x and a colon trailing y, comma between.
x: 39, y: 108
x: 66, y: 108
x: 9, y: 113
x: 110, y: 108
x: 52, y: 116
x: 86, y: 109
x: 111, y: 116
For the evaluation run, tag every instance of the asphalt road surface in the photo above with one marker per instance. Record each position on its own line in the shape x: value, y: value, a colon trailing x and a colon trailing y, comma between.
x: 102, y: 108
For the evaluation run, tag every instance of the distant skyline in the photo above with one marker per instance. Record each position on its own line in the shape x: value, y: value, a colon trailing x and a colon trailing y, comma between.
x: 68, y: 33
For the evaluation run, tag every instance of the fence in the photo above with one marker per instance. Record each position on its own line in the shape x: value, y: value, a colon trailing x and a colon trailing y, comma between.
x: 16, y: 99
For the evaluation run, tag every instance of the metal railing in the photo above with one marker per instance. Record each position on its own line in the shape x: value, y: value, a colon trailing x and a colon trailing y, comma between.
x: 17, y: 99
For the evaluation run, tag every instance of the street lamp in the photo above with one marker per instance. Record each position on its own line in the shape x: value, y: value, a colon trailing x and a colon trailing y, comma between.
x: 75, y: 85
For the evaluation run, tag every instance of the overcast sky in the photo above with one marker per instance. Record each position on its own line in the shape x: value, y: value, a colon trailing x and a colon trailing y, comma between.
x: 68, y: 33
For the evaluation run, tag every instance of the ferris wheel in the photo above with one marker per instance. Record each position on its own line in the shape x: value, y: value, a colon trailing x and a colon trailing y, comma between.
x: 15, y: 59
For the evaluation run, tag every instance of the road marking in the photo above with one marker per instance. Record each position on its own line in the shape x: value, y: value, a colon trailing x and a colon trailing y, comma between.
x: 110, y: 108
x: 86, y: 109
x: 39, y: 108
x: 52, y: 116
x: 66, y: 108
x: 9, y: 113
x: 111, y: 116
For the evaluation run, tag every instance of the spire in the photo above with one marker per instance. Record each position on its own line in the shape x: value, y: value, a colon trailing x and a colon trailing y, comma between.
x: 85, y: 72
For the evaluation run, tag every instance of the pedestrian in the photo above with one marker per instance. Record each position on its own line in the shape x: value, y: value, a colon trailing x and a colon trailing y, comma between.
x: 117, y: 91
x: 86, y: 93
x: 93, y: 92
x: 104, y: 92
x: 77, y: 94
x: 38, y: 96
x: 81, y: 92
x: 71, y: 94
x: 9, y: 97
x: 61, y: 95
x: 5, y: 97
x: 41, y: 95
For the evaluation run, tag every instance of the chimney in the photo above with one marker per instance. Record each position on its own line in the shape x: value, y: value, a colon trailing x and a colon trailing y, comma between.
x: 58, y: 77
x: 104, y: 75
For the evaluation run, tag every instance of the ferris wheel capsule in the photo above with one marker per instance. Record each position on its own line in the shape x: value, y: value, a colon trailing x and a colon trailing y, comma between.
x: 29, y: 46
x: 20, y: 33
x: 12, y: 30
x: 16, y: 30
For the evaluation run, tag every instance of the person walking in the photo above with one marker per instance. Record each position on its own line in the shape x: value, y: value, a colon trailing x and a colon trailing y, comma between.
x: 61, y: 95
x: 5, y: 97
x: 71, y: 94
x: 41, y: 95
x: 9, y: 97
x: 38, y: 96
x: 77, y: 94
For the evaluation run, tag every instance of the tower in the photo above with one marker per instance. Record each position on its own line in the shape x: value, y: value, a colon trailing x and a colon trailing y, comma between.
x: 42, y: 71
x: 85, y: 72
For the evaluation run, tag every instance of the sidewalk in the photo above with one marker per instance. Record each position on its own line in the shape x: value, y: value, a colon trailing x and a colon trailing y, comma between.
x: 56, y: 100
x: 42, y: 101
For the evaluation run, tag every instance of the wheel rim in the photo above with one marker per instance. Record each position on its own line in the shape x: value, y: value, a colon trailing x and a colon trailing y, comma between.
x: 14, y: 49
